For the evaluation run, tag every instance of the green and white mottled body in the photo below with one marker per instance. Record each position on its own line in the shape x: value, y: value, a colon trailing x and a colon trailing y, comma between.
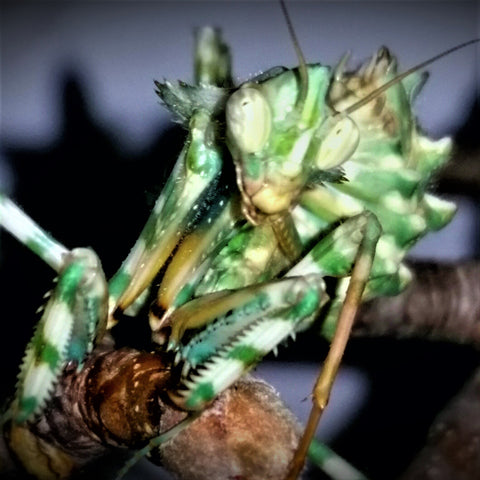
x: 274, y: 189
x: 301, y: 169
x: 301, y: 173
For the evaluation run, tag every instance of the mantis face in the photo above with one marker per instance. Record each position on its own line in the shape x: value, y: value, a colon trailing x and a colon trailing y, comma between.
x: 279, y: 143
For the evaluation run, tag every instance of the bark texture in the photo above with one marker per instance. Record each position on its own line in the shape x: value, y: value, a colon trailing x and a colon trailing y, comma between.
x: 116, y: 400
x: 119, y: 401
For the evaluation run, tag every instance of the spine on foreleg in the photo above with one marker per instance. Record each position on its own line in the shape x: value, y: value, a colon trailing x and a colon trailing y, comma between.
x: 244, y: 335
x: 74, y: 316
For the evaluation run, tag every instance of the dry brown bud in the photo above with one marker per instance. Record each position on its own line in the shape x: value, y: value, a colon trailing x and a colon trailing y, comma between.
x: 246, y: 434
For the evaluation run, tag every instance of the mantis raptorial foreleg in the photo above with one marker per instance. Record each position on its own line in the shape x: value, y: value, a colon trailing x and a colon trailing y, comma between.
x: 197, y: 167
x: 196, y: 171
x: 245, y: 324
x: 73, y: 318
x: 250, y: 322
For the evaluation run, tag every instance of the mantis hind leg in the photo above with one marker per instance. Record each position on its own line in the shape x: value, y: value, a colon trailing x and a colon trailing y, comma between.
x: 362, y: 267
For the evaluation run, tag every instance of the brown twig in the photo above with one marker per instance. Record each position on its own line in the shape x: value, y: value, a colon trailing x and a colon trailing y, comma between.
x: 118, y: 401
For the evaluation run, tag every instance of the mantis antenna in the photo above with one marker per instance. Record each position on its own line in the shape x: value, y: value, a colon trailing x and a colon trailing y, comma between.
x: 302, y: 65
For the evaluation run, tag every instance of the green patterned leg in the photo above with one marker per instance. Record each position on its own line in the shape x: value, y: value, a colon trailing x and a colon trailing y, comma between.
x: 195, y: 174
x: 74, y: 316
x: 24, y: 229
x: 249, y: 323
x: 196, y: 169
x: 370, y: 231
x: 242, y: 326
x: 332, y: 464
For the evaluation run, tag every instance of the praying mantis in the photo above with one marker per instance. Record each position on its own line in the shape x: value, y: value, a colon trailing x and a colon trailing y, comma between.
x: 245, y: 146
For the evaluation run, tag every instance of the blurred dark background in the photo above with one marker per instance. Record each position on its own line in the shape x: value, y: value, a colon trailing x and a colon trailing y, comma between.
x: 85, y: 148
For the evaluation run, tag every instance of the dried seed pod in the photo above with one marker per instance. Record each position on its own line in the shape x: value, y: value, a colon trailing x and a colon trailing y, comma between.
x: 247, y: 433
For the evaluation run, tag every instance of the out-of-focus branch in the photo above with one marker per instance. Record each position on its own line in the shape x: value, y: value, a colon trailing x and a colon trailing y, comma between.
x: 453, y: 445
x: 441, y: 303
x: 462, y: 174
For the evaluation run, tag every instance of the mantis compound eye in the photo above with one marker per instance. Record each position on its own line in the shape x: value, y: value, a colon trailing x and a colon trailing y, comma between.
x: 338, y: 145
x: 249, y: 120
